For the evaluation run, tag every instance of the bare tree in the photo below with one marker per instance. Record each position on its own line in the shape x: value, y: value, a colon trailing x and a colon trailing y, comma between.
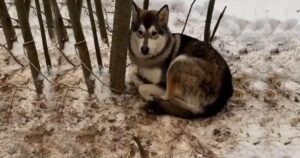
x: 49, y: 18
x: 101, y: 22
x: 43, y: 35
x: 119, y: 47
x: 208, y: 21
x: 146, y: 4
x: 79, y: 7
x: 96, y: 42
x: 27, y: 7
x: 29, y: 46
x: 61, y: 31
x: 9, y: 32
x: 81, y: 45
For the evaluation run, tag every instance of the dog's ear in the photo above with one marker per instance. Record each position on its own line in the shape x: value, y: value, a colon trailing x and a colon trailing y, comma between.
x: 163, y: 15
x: 135, y: 11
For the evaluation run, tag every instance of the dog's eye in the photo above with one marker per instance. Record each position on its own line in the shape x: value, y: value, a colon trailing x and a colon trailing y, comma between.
x: 154, y: 34
x: 140, y: 32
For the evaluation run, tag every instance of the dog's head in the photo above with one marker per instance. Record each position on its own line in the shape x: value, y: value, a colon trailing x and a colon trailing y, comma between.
x: 149, y: 31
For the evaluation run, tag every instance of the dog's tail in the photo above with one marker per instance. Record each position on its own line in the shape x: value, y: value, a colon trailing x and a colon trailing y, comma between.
x: 171, y: 106
x: 176, y: 107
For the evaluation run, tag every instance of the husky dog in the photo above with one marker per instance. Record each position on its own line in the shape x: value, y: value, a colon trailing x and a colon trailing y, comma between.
x: 177, y: 74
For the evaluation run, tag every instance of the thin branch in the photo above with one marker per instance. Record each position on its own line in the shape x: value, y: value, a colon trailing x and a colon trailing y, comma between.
x: 108, y: 28
x: 101, y: 21
x: 39, y: 71
x: 94, y: 30
x: 85, y: 66
x: 217, y: 25
x: 65, y: 56
x: 187, y: 18
x: 61, y: 106
x: 43, y: 36
x: 55, y: 85
x: 12, y: 98
x: 141, y: 149
x: 11, y: 105
x: 14, y: 26
x: 71, y: 87
x: 17, y: 86
x: 1, y: 45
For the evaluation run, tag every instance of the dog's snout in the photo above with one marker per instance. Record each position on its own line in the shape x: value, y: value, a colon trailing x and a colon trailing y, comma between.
x: 145, y: 50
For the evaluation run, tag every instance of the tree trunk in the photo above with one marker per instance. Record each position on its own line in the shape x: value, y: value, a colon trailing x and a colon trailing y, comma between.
x: 49, y: 18
x: 81, y: 45
x: 44, y: 40
x: 61, y: 31
x: 210, y: 11
x: 79, y: 7
x: 101, y: 22
x: 8, y: 29
x: 96, y: 42
x: 29, y: 46
x: 119, y: 46
x: 27, y: 7
x: 146, y: 4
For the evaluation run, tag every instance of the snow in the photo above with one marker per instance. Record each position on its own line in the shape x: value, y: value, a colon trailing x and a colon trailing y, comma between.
x: 258, y: 39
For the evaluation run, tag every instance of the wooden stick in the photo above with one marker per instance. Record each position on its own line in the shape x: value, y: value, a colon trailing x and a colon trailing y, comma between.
x: 187, y: 18
x: 217, y: 25
x: 141, y: 149
x: 208, y: 20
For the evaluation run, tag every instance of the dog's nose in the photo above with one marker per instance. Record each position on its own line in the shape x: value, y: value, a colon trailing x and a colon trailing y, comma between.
x: 145, y: 50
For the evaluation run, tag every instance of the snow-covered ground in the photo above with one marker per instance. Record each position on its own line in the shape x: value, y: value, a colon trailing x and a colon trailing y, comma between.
x: 260, y: 40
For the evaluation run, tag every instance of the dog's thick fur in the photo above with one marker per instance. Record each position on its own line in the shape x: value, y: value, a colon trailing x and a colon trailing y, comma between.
x: 177, y: 74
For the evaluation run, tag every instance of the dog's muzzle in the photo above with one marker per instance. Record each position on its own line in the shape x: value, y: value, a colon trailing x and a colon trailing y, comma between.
x: 145, y: 50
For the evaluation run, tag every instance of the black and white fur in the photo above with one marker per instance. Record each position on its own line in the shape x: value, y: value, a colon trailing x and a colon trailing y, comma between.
x: 176, y: 74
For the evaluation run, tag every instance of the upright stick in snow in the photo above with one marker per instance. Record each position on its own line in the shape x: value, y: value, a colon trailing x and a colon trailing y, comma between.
x: 187, y: 18
x: 49, y: 18
x: 96, y: 42
x: 208, y: 21
x: 146, y: 4
x: 27, y: 7
x: 119, y: 45
x: 44, y: 40
x: 79, y: 7
x: 61, y: 31
x: 101, y: 22
x: 29, y: 46
x: 81, y: 45
x: 8, y: 29
x: 217, y: 25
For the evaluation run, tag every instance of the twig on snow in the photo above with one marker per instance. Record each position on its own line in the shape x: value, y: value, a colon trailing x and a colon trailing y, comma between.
x: 11, y: 105
x: 65, y: 56
x: 92, y: 73
x: 141, y: 149
x: 3, y: 46
x: 17, y: 86
x: 60, y: 111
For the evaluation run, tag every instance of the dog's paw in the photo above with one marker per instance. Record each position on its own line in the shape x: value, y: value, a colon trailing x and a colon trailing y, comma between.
x: 153, y: 107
